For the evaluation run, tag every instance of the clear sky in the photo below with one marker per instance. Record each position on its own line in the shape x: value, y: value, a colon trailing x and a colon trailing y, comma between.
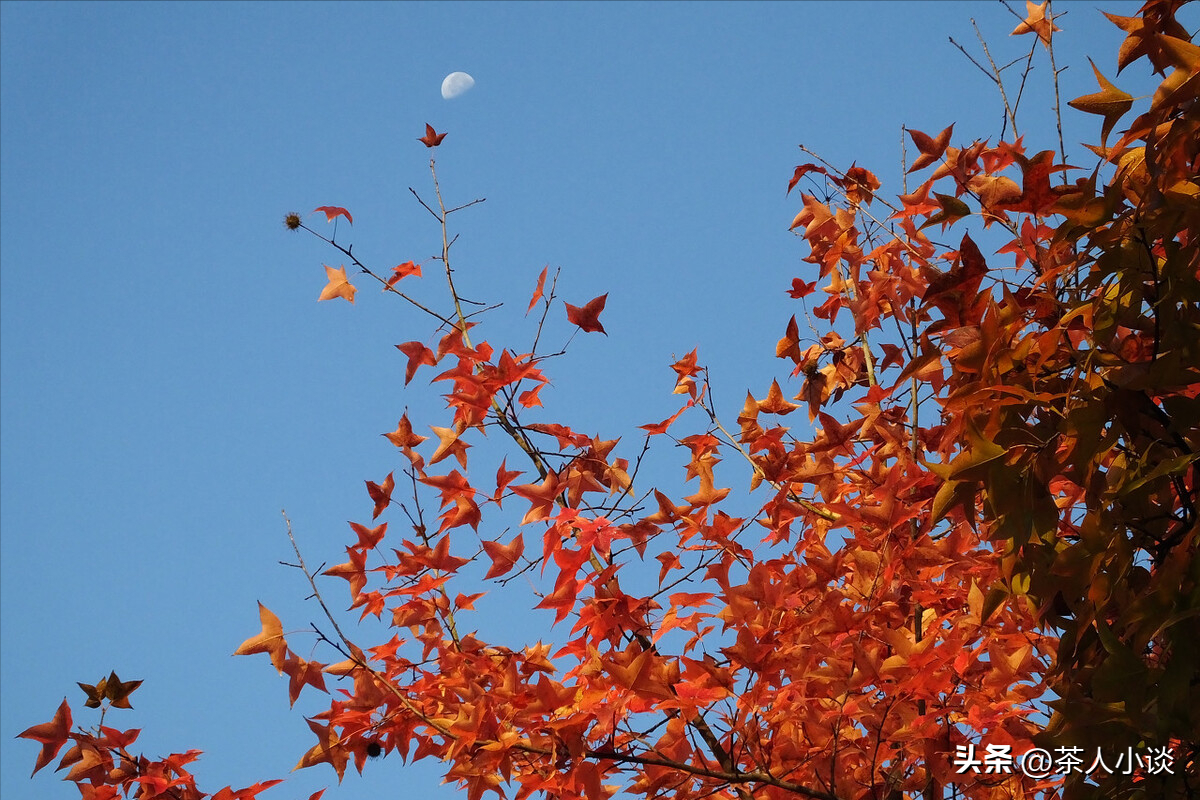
x: 169, y: 381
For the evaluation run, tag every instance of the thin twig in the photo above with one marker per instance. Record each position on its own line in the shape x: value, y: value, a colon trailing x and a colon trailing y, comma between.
x: 367, y: 270
x: 1011, y: 114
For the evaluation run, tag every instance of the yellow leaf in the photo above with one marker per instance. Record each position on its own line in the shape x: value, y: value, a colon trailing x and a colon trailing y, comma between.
x: 270, y: 641
x: 1110, y: 103
x: 338, y: 286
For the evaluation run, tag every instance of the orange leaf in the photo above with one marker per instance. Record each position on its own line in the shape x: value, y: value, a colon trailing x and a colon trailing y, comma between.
x: 686, y: 369
x: 801, y: 289
x: 450, y: 486
x: 917, y: 202
x: 1036, y: 22
x: 120, y: 738
x: 931, y: 149
x: 465, y: 512
x: 403, y: 436
x: 542, y: 496
x: 789, y: 345
x: 669, y: 562
x: 860, y: 185
x: 381, y: 494
x: 368, y: 538
x: 353, y: 571
x: 439, y: 557
x: 449, y: 444
x: 801, y: 171
x: 52, y: 735
x: 775, y: 403
x: 301, y: 672
x: 661, y: 427
x: 403, y: 271
x: 562, y: 599
x: 565, y: 436
x: 587, y: 317
x: 529, y: 398
x: 333, y: 212
x: 1110, y: 103
x: 328, y: 750
x: 249, y: 793
x: 431, y: 138
x: 338, y: 286
x: 504, y: 476
x: 537, y: 291
x: 503, y: 556
x: 418, y: 354
x: 270, y: 641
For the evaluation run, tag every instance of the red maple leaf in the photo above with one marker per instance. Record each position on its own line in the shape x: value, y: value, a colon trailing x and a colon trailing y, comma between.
x: 801, y: 171
x: 503, y: 556
x: 403, y: 271
x: 537, y: 291
x: 588, y: 317
x: 931, y: 149
x: 541, y: 496
x: 381, y: 494
x: 369, y: 537
x: 52, y: 735
x: 403, y: 436
x: 418, y: 354
x: 438, y: 557
x: 249, y: 793
x: 504, y: 476
x: 301, y: 672
x: 529, y: 398
x: 661, y: 427
x: 801, y: 289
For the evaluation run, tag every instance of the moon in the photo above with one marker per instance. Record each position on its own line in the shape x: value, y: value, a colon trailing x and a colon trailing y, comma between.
x: 455, y: 84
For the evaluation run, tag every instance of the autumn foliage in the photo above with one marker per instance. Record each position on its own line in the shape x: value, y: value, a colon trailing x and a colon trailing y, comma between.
x: 968, y: 500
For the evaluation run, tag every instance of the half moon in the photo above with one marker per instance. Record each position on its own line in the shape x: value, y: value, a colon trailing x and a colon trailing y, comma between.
x: 455, y: 84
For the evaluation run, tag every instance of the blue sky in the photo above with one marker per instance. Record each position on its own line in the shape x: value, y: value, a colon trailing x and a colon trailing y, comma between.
x: 169, y: 382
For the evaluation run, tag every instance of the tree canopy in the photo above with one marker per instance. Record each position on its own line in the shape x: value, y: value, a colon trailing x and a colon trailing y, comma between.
x: 981, y: 545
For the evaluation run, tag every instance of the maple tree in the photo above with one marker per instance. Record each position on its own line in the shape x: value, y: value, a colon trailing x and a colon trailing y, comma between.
x: 994, y: 516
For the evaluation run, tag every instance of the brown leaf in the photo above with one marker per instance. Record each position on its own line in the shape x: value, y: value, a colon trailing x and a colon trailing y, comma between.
x: 431, y: 138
